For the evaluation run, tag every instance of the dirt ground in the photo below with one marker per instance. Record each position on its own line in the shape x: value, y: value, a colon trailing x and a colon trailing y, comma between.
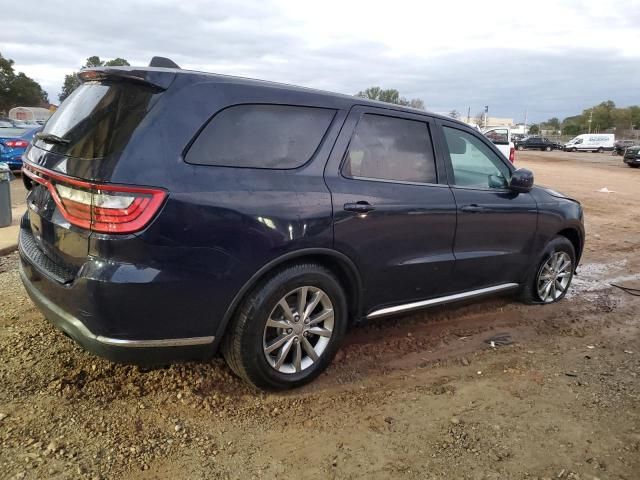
x: 416, y: 397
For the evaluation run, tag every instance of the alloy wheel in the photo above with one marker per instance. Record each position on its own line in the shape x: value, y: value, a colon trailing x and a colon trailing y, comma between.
x: 554, y: 277
x: 298, y: 330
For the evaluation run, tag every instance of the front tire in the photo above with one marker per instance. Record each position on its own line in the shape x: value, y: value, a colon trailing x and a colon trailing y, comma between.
x: 288, y: 329
x: 551, y: 279
x: 548, y: 149
x: 520, y: 148
x: 600, y: 150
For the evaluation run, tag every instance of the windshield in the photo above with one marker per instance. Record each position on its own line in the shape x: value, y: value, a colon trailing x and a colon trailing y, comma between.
x: 97, y: 119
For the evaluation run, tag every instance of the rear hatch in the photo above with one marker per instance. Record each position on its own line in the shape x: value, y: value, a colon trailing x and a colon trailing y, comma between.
x: 70, y: 163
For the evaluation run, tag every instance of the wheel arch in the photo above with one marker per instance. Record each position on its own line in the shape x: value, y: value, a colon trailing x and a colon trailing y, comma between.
x: 341, y: 265
x: 575, y: 237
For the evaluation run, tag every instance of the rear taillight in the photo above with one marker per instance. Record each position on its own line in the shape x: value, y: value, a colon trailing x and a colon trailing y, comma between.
x: 16, y: 143
x: 512, y: 154
x: 102, y: 208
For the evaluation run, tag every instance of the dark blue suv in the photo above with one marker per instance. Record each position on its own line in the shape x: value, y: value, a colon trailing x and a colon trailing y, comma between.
x: 173, y: 214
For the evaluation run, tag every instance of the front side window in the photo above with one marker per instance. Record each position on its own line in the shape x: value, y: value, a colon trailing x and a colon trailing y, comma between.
x: 474, y: 163
x: 261, y: 136
x: 390, y: 148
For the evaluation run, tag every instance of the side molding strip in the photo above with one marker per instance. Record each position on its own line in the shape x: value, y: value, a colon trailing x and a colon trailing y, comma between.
x: 440, y: 300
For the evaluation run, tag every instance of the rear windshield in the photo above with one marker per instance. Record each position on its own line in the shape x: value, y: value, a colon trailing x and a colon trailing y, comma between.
x: 98, y: 119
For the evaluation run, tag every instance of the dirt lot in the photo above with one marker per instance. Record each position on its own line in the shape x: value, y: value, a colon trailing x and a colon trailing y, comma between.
x: 422, y: 396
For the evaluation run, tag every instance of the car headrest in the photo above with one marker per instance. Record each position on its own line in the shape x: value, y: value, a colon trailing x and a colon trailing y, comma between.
x: 457, y: 145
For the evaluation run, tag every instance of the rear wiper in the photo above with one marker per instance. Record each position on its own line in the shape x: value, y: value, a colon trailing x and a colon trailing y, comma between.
x: 51, y: 138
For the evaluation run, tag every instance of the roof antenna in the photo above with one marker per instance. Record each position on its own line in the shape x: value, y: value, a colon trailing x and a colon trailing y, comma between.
x: 163, y: 62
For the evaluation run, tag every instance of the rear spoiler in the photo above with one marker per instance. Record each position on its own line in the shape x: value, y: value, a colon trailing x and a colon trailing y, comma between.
x: 157, y: 76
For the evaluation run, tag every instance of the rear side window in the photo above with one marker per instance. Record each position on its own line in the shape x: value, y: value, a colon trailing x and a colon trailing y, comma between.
x: 261, y: 136
x: 389, y: 148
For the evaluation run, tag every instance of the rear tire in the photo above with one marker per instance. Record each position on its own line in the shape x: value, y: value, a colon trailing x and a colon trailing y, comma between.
x: 520, y: 148
x: 273, y: 342
x: 551, y: 267
x: 548, y: 149
x: 600, y: 150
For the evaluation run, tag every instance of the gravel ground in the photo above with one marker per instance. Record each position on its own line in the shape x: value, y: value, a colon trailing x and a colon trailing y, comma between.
x: 419, y: 396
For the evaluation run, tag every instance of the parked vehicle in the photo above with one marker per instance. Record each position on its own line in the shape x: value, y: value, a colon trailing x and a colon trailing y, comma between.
x: 590, y: 142
x: 501, y: 137
x: 537, y: 143
x: 12, y: 148
x: 632, y: 156
x: 269, y: 218
x: 620, y: 146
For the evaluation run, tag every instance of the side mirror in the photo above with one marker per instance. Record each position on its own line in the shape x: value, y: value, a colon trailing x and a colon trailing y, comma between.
x: 521, y: 181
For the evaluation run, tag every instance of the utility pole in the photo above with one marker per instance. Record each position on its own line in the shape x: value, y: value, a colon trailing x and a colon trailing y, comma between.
x: 525, y: 121
x: 486, y: 112
x: 590, y: 119
x: 468, y: 114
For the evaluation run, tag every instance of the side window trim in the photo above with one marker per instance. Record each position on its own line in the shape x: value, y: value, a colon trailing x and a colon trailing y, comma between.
x: 360, y: 111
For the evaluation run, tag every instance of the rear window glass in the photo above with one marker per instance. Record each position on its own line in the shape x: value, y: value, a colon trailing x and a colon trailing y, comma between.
x: 388, y: 148
x: 98, y: 119
x: 261, y: 136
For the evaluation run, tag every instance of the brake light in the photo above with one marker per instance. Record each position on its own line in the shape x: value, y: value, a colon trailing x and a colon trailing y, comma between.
x: 99, y: 207
x: 512, y: 154
x: 16, y: 143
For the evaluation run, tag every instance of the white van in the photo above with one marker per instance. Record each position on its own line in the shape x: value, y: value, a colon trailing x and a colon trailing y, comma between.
x: 594, y: 142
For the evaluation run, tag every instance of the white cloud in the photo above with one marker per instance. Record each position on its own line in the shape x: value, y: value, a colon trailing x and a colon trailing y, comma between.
x: 551, y: 57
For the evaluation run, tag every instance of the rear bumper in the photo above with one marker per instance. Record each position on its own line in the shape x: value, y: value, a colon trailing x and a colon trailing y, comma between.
x: 141, y: 352
x: 80, y: 308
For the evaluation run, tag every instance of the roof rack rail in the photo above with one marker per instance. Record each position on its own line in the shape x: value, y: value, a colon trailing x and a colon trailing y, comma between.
x: 163, y: 62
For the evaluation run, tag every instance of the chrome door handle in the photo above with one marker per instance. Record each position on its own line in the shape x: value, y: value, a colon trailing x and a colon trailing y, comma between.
x: 473, y: 208
x: 359, y: 207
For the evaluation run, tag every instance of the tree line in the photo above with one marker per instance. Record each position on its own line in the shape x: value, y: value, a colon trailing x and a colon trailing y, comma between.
x: 17, y: 89
x: 71, y: 80
x: 390, y: 95
x: 603, y: 117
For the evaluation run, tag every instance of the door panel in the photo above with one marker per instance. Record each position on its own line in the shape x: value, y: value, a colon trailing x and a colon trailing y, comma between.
x: 401, y: 236
x: 494, y: 241
x: 495, y: 227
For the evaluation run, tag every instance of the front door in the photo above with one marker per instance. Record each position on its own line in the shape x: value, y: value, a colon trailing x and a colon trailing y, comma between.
x: 496, y: 227
x: 392, y: 215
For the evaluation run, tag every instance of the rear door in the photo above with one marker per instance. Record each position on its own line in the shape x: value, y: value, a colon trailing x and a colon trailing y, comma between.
x: 496, y: 227
x: 394, y: 214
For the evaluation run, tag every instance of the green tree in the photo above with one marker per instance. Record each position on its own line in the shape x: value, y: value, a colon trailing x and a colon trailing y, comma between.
x: 635, y: 115
x: 572, y: 129
x: 622, y: 118
x: 18, y: 89
x: 601, y: 116
x: 534, y: 129
x: 71, y: 80
x: 390, y: 95
x: 553, y: 123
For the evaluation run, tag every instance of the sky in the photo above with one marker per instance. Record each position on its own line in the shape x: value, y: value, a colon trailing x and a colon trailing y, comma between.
x: 548, y: 58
